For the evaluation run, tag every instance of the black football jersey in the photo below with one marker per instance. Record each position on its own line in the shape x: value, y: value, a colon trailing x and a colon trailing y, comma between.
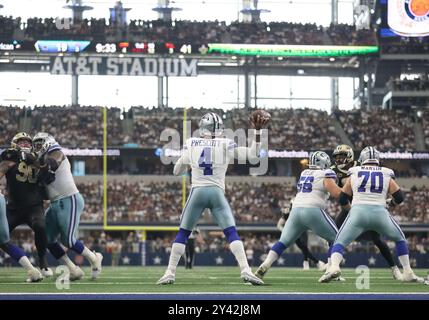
x: 22, y: 187
x: 342, y: 173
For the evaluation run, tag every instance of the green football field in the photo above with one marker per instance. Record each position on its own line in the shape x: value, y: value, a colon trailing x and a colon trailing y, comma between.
x: 209, y: 280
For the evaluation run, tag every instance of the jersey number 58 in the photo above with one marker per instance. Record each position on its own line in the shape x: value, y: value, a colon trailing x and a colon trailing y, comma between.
x: 305, y: 184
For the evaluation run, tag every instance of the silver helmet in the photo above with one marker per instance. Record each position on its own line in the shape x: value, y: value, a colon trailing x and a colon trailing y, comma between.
x: 369, y: 155
x: 42, y: 141
x: 211, y: 124
x: 319, y: 160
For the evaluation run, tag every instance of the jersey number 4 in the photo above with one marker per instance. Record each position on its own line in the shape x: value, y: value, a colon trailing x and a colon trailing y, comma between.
x: 205, y: 161
x: 376, y: 181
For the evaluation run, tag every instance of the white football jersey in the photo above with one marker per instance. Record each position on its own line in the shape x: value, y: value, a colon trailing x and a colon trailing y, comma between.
x: 311, y: 189
x: 209, y: 160
x: 370, y: 184
x: 63, y: 185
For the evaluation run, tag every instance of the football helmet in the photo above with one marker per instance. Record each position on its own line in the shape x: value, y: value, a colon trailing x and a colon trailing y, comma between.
x: 319, y: 160
x: 369, y: 155
x: 21, y: 136
x: 211, y: 124
x: 42, y: 141
x: 347, y: 155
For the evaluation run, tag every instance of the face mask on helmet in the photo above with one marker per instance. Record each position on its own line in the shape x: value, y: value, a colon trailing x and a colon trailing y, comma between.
x: 42, y: 142
x: 24, y: 145
x: 22, y: 141
x: 343, y: 155
x: 341, y: 161
x: 38, y: 146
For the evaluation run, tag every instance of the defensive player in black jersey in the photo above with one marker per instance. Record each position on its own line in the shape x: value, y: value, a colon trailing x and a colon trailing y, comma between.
x: 344, y: 160
x: 24, y: 193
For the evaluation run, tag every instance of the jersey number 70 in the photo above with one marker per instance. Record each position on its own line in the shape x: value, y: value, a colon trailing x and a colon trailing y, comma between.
x: 376, y: 186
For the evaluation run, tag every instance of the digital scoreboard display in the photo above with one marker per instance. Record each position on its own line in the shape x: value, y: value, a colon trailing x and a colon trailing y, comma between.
x: 57, y: 46
x: 170, y: 48
x: 147, y: 47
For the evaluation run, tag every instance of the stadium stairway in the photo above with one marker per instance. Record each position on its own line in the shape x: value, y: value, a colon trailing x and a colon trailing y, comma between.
x: 128, y: 125
x: 25, y: 121
x: 344, y: 138
x: 418, y: 133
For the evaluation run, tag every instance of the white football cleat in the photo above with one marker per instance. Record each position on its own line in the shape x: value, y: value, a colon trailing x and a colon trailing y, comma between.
x: 261, y: 272
x: 96, y: 267
x: 331, y: 273
x: 341, y: 279
x: 411, y: 277
x: 321, y: 266
x: 248, y: 277
x: 76, y: 274
x: 47, y: 272
x: 34, y: 275
x: 306, y: 265
x: 396, y: 273
x: 168, y: 278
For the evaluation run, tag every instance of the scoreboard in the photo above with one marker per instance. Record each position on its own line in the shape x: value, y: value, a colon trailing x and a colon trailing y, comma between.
x: 76, y: 46
x: 183, y: 48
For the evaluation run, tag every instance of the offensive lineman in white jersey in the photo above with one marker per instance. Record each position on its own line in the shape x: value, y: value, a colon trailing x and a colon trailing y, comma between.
x: 370, y: 184
x: 209, y: 157
x: 314, y: 187
x: 66, y: 205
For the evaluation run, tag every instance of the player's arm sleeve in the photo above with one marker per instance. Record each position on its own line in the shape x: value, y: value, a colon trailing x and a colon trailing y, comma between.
x: 53, y: 159
x: 330, y: 174
x: 396, y: 192
x: 10, y: 155
x: 249, y: 153
x: 398, y: 198
x: 182, y: 164
x: 346, y: 194
x: 5, y: 165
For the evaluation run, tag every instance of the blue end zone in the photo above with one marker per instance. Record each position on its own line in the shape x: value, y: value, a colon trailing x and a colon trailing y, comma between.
x: 216, y: 296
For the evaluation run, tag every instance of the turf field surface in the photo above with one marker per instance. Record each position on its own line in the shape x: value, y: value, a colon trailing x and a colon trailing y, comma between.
x: 211, y: 283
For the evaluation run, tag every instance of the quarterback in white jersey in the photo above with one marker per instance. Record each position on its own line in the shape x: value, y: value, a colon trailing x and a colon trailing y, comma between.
x: 370, y: 184
x: 314, y: 187
x: 208, y: 157
x: 66, y: 205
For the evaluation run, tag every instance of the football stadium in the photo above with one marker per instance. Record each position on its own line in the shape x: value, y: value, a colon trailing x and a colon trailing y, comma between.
x: 214, y: 150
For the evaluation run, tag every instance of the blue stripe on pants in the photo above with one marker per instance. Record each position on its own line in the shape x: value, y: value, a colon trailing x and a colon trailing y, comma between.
x: 72, y: 222
x: 62, y: 219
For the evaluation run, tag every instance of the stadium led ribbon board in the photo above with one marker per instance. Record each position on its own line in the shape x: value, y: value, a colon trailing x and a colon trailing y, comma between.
x: 290, y: 50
